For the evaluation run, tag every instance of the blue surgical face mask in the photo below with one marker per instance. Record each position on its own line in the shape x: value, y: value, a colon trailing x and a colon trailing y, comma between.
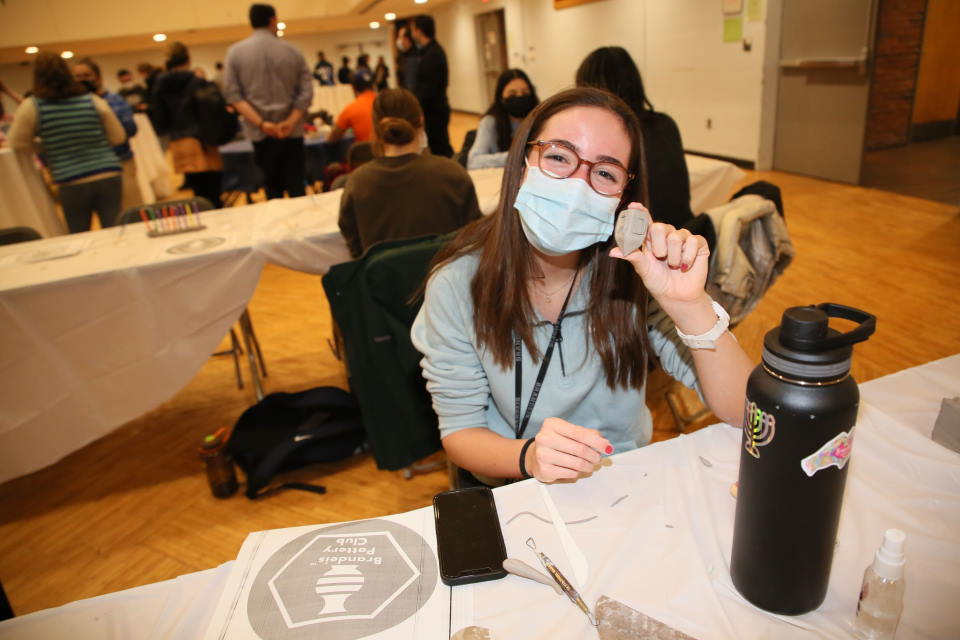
x: 560, y: 216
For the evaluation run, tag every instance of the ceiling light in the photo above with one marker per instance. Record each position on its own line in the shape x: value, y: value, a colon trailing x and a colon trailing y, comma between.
x: 374, y: 25
x: 279, y: 33
x: 390, y: 16
x: 281, y: 26
x: 31, y: 50
x: 66, y: 54
x: 159, y: 37
x: 420, y: 1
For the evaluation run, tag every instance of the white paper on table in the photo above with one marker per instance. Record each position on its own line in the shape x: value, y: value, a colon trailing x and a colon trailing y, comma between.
x: 53, y: 251
x: 374, y: 578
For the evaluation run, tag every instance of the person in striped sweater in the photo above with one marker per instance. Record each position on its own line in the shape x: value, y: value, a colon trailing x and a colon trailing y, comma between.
x: 77, y: 132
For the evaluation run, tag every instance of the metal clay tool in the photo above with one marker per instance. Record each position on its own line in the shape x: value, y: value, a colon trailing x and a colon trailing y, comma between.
x: 562, y: 581
x: 522, y: 569
x: 631, y: 229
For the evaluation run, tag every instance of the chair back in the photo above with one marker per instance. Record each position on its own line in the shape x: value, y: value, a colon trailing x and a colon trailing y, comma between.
x: 468, y: 140
x: 370, y: 300
x: 133, y: 214
x: 13, y: 235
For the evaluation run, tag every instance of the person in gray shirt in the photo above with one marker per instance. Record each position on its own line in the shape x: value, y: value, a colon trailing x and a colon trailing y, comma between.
x: 268, y: 82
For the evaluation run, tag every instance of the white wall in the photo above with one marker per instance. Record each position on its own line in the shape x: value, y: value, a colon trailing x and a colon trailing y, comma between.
x: 688, y: 71
x: 334, y: 44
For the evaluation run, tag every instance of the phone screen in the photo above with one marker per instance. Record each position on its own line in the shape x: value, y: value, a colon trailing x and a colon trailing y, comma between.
x: 469, y: 540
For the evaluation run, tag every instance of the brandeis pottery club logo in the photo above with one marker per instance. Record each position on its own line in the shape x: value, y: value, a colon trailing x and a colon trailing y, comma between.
x: 344, y: 581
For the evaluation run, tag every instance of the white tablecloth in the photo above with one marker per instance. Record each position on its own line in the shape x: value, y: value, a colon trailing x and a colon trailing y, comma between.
x: 24, y: 199
x: 656, y: 527
x: 117, y: 326
x: 153, y: 174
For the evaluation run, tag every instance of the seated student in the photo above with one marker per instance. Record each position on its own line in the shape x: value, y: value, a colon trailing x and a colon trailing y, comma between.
x: 668, y: 182
x: 401, y: 193
x: 515, y: 98
x: 358, y: 115
x: 499, y: 292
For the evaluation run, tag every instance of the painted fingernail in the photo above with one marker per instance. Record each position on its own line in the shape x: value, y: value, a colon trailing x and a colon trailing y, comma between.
x: 684, y: 267
x: 609, y: 449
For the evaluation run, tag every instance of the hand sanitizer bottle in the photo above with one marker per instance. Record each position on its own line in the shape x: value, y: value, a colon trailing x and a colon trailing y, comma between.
x: 881, y: 596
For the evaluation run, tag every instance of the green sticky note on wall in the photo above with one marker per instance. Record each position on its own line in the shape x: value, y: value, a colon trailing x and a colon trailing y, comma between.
x: 733, y: 29
x: 755, y: 10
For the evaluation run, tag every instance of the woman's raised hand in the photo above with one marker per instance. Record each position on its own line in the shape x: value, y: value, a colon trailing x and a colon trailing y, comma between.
x: 563, y: 450
x: 673, y: 263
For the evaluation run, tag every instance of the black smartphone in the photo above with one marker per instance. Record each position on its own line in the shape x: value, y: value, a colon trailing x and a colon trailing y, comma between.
x: 469, y: 539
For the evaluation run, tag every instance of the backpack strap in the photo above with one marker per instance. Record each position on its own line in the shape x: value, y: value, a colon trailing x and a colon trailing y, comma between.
x: 312, y: 427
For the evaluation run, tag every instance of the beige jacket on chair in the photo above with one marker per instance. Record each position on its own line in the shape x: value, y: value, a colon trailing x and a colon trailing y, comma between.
x: 753, y: 249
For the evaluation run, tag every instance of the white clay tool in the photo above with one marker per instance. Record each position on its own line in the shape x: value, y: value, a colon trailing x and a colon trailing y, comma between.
x: 578, y: 561
x: 522, y: 569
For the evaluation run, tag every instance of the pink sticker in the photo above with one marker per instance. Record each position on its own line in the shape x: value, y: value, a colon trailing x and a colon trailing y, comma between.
x: 834, y: 453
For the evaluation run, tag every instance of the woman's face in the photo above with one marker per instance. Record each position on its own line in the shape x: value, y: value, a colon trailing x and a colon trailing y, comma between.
x: 516, y: 87
x: 596, y: 134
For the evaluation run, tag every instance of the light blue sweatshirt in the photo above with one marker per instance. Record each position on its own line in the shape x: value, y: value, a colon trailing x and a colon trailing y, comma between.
x: 470, y: 390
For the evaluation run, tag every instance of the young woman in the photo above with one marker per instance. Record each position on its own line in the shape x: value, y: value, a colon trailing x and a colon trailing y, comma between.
x: 77, y: 130
x: 515, y: 98
x: 535, y: 330
x: 401, y: 193
x: 668, y: 182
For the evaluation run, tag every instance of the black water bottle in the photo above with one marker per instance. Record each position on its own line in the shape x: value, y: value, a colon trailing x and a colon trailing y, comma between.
x: 798, y: 427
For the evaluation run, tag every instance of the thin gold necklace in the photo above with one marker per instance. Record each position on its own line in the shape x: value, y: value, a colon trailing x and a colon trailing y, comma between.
x: 548, y: 295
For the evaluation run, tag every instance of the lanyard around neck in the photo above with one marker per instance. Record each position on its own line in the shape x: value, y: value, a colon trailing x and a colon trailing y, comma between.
x: 520, y: 427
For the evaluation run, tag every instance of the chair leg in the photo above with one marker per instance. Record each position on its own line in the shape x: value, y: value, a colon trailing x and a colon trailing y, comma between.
x: 235, y: 351
x: 256, y: 344
x: 681, y: 420
x: 246, y: 328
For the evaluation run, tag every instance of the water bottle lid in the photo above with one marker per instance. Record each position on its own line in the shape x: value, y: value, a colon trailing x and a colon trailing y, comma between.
x: 805, y: 347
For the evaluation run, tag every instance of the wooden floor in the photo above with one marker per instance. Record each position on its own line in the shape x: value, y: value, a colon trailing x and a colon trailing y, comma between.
x: 929, y: 170
x: 134, y: 508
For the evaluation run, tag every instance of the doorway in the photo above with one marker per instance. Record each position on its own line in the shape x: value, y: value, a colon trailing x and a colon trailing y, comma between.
x: 492, y: 41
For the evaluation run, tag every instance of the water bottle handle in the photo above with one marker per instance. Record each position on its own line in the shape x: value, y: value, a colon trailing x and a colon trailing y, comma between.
x: 867, y: 321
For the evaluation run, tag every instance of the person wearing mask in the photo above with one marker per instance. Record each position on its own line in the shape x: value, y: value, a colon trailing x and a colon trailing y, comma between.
x: 668, y: 181
x: 407, y: 59
x: 403, y: 193
x: 87, y: 73
x: 344, y: 74
x: 323, y: 70
x: 515, y: 97
x: 268, y: 82
x: 133, y: 93
x: 380, y: 74
x: 358, y: 115
x: 430, y: 84
x: 500, y: 293
x: 174, y: 114
x: 77, y: 130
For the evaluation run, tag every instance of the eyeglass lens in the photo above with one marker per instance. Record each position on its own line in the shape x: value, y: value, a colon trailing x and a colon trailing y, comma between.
x: 561, y: 162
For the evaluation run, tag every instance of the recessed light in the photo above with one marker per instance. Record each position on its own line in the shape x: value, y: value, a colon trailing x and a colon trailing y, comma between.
x: 66, y: 54
x: 32, y: 50
x: 420, y: 1
x: 281, y: 26
x: 390, y: 16
x: 279, y: 33
x: 374, y: 25
x: 159, y: 37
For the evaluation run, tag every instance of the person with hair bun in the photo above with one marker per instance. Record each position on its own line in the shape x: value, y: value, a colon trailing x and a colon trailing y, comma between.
x: 403, y: 193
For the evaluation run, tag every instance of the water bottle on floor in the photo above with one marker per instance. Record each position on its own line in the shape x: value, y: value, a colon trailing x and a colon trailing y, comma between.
x: 218, y: 465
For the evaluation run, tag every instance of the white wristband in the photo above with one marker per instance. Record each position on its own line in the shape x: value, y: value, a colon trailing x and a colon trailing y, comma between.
x: 708, y: 340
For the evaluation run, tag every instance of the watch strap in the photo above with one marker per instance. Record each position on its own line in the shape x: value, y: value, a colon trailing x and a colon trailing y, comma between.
x: 709, y: 339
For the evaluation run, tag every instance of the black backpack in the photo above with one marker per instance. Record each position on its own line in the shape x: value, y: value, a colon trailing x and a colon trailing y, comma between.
x: 216, y: 125
x: 285, y: 431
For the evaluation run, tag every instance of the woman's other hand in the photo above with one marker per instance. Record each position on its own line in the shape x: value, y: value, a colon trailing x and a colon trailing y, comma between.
x: 563, y: 451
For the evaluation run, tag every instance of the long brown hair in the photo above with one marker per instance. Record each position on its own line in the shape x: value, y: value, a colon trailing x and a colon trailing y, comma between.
x: 616, y: 314
x: 396, y: 118
x: 52, y: 79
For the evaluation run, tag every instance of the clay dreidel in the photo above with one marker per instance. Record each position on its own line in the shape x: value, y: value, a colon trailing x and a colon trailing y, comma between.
x: 631, y: 229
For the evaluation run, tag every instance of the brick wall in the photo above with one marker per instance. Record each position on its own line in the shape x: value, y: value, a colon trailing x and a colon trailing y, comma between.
x: 896, y: 60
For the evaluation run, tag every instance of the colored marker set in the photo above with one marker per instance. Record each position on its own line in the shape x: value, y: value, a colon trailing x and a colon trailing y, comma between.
x: 165, y: 220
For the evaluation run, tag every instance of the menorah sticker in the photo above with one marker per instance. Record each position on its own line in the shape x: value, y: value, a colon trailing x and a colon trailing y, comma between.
x: 759, y: 428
